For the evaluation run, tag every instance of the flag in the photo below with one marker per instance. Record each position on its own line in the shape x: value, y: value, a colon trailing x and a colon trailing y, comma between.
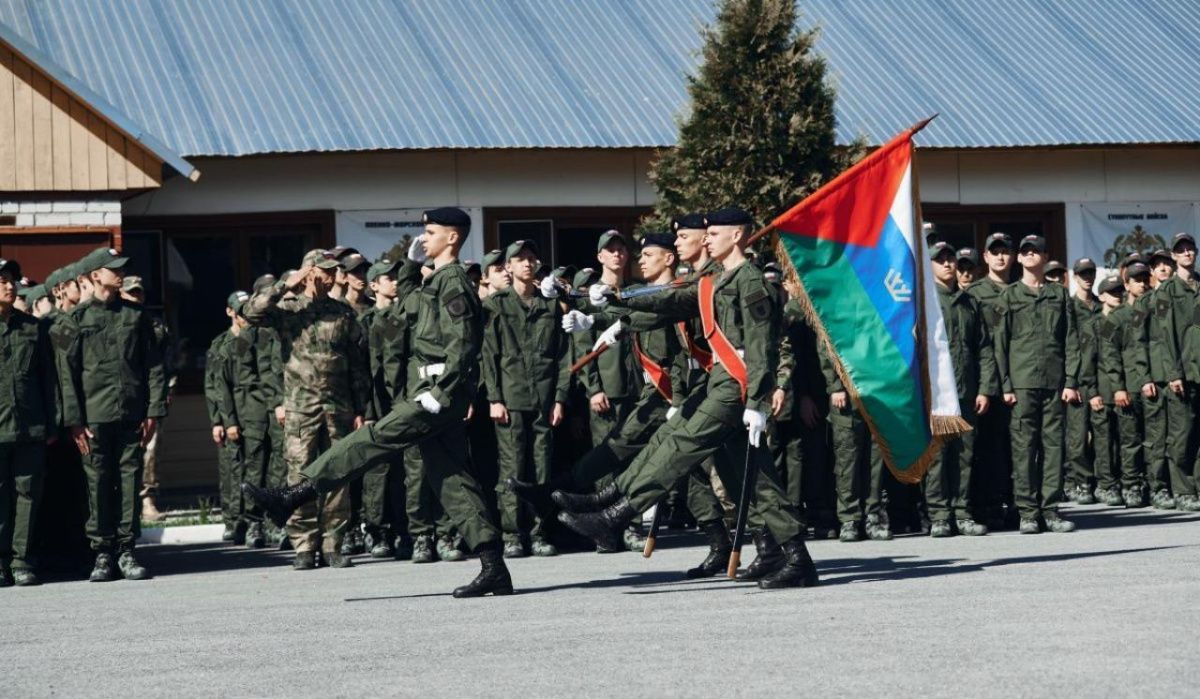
x: 855, y: 246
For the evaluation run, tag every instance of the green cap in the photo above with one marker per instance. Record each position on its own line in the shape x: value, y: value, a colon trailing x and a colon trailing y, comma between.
x: 353, y: 262
x: 321, y: 259
x: 33, y: 293
x: 380, y: 268
x: 585, y: 277
x: 236, y: 300
x: 493, y: 257
x: 938, y: 248
x: 609, y: 236
x: 514, y: 248
x: 100, y: 258
x: 53, y: 279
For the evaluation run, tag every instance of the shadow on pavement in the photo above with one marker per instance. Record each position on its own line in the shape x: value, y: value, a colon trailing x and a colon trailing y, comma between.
x: 182, y: 559
x: 1102, y: 518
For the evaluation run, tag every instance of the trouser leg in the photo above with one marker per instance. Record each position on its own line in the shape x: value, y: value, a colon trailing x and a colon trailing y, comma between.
x: 769, y: 506
x: 1104, y: 438
x: 1078, y: 457
x: 851, y: 463
x: 129, y: 448
x: 22, y: 465
x: 514, y: 443
x: 1154, y: 444
x: 1181, y: 441
x: 419, y: 505
x: 447, y: 460
x: 1053, y: 437
x: 255, y: 453
x: 306, y: 438
x: 1129, y: 427
x: 1026, y: 429
x: 100, y: 465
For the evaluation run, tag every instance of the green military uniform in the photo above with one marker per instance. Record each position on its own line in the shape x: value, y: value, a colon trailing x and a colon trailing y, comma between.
x: 227, y: 464
x: 1095, y: 383
x: 29, y: 411
x: 1124, y: 364
x: 993, y: 448
x: 748, y: 312
x: 857, y: 465
x: 948, y: 485
x: 383, y: 486
x: 524, y: 366
x: 615, y: 374
x: 1079, y: 454
x: 1171, y: 310
x: 326, y: 386
x: 444, y: 336
x: 1037, y: 357
x: 114, y: 382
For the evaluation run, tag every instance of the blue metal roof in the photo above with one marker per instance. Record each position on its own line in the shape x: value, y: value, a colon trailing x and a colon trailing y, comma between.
x: 239, y: 77
x: 101, y: 106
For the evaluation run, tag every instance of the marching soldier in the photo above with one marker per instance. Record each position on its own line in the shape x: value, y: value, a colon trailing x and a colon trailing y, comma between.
x: 326, y: 386
x: 947, y: 485
x: 28, y: 422
x: 445, y: 334
x: 526, y: 377
x: 1080, y: 450
x: 1037, y: 356
x: 740, y: 313
x: 113, y: 395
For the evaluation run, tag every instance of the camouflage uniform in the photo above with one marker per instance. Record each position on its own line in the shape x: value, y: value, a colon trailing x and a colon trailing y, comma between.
x: 326, y: 384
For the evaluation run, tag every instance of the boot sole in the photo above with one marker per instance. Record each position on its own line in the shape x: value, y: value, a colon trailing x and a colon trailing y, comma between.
x: 495, y: 593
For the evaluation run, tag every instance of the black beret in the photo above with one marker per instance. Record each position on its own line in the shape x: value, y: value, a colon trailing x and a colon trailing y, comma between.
x: 730, y: 216
x: 659, y: 240
x: 448, y: 216
x: 694, y: 221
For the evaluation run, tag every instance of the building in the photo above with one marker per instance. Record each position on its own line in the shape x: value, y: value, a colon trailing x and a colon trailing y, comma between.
x: 315, y: 122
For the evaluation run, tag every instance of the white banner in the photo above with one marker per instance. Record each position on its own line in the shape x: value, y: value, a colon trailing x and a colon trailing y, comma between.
x: 375, y: 232
x: 1109, y: 232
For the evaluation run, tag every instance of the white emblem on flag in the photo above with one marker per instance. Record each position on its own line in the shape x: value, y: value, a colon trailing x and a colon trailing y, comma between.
x: 897, y: 287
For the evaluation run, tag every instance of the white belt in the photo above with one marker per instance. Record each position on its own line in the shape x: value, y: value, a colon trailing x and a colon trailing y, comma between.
x: 646, y: 377
x: 717, y: 359
x: 430, y: 370
x: 693, y: 364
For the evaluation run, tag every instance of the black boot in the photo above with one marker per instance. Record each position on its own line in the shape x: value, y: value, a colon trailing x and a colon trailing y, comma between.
x: 279, y: 503
x: 536, y: 495
x: 719, y: 549
x: 590, y: 502
x: 604, y: 527
x: 493, y: 577
x: 769, y: 558
x: 798, y: 571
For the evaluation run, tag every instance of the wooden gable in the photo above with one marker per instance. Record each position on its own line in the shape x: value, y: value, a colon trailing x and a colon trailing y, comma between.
x: 60, y: 143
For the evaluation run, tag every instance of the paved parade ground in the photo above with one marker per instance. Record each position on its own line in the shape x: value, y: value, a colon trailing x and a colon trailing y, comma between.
x: 1109, y: 610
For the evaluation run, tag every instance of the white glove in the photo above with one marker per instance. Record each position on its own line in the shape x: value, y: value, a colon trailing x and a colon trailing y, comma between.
x: 671, y: 412
x: 416, y: 250
x: 429, y: 403
x: 548, y: 287
x: 574, y: 322
x: 756, y: 424
x: 608, y: 337
x: 597, y: 294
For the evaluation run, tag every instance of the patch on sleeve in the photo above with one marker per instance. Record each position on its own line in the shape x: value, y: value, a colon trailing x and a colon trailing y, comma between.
x: 1162, y: 307
x: 457, y: 306
x: 759, y: 303
x: 61, y: 340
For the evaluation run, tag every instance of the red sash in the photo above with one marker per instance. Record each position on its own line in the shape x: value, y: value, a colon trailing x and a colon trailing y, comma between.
x: 703, y: 357
x: 726, y: 353
x: 658, y: 376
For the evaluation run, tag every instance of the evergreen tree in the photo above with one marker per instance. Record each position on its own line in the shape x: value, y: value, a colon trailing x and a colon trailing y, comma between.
x: 760, y: 134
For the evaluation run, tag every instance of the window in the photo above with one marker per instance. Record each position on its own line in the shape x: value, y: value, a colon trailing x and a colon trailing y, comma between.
x: 565, y: 236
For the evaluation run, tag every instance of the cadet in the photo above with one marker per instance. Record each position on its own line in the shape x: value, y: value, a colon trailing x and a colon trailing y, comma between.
x: 947, y: 485
x: 1077, y: 479
x: 857, y: 464
x: 612, y: 382
x: 966, y: 267
x: 1055, y: 273
x: 113, y: 395
x: 1125, y: 359
x: 132, y: 290
x: 214, y: 392
x: 993, y: 447
x: 495, y: 275
x: 326, y: 385
x: 248, y: 408
x: 1103, y: 383
x: 1172, y: 310
x: 1037, y: 357
x: 741, y: 315
x: 28, y: 421
x: 444, y: 342
x: 526, y: 376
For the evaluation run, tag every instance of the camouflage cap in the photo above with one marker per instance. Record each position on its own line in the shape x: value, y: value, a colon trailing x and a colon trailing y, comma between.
x: 321, y: 259
x: 100, y: 258
x: 493, y: 257
x: 263, y: 282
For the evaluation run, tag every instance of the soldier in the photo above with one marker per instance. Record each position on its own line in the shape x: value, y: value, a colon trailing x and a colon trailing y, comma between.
x: 133, y: 291
x: 741, y: 315
x: 527, y: 377
x: 1172, y: 310
x: 214, y: 391
x: 1037, y: 357
x: 947, y: 485
x: 1080, y: 449
x: 495, y: 275
x: 1055, y: 272
x: 326, y: 385
x: 993, y: 447
x: 1100, y: 386
x: 966, y: 267
x: 28, y: 422
x: 113, y: 395
x: 444, y: 341
x: 1125, y: 361
x: 857, y: 464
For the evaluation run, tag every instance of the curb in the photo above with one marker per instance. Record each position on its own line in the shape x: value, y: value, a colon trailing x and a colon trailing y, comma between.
x: 191, y: 534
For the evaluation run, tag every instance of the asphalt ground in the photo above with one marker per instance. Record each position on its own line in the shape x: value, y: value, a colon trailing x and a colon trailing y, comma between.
x: 1110, y: 610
